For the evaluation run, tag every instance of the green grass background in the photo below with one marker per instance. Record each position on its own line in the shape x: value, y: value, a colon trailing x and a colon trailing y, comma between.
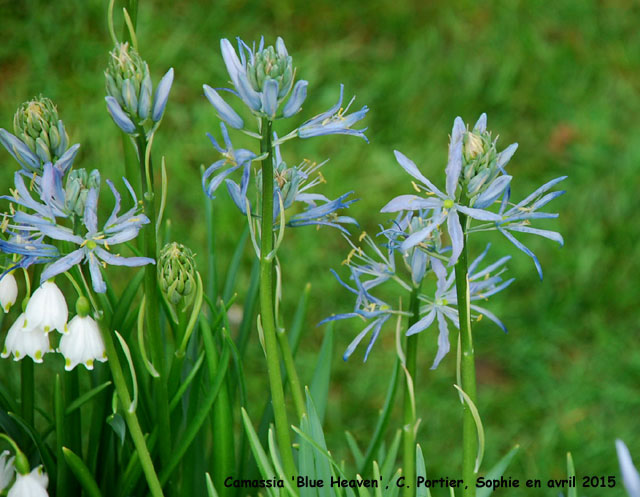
x: 560, y: 77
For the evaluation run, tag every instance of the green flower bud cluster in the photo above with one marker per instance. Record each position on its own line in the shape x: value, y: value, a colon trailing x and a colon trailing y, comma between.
x: 271, y: 64
x: 129, y: 82
x: 479, y: 162
x: 36, y: 123
x: 78, y: 185
x: 177, y: 273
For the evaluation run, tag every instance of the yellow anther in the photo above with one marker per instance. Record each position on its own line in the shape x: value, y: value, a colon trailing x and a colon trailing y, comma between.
x: 321, y: 177
x: 479, y: 317
x: 415, y: 186
x: 33, y: 181
x: 362, y: 236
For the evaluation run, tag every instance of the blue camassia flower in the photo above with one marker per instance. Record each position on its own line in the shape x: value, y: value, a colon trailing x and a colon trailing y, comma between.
x: 96, y: 244
x: 234, y: 159
x: 262, y: 78
x: 443, y: 305
x: 29, y: 230
x: 335, y: 121
x: 518, y: 217
x: 445, y: 206
x: 324, y: 214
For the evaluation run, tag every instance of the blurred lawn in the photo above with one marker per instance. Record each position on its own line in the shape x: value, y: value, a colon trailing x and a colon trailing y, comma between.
x: 559, y: 77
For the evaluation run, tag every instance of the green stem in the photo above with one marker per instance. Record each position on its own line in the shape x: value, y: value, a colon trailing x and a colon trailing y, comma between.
x: 152, y: 309
x: 409, y: 434
x: 27, y: 385
x: 130, y: 417
x: 267, y: 305
x: 468, y: 369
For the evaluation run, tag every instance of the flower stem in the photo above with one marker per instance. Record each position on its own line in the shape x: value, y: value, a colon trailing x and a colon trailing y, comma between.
x: 154, y: 333
x: 409, y: 433
x: 468, y: 369
x: 130, y: 417
x: 267, y: 305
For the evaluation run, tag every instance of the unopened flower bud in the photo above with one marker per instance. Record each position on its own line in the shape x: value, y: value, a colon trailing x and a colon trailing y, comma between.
x: 36, y: 123
x: 78, y: 185
x: 177, y: 273
x: 473, y: 145
x: 271, y: 63
x: 130, y: 99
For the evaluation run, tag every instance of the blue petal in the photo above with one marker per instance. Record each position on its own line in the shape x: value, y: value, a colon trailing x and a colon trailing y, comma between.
x: 493, y: 191
x: 224, y: 110
x: 456, y: 235
x: 90, y: 218
x: 454, y: 164
x: 162, y: 95
x: 119, y: 117
x: 519, y: 245
x: 270, y: 98
x: 505, y: 155
x: 236, y: 195
x: 551, y: 235
x: 409, y: 166
x: 479, y: 214
x: 63, y: 264
x: 97, y: 282
x: 116, y: 260
x: 481, y: 123
x: 443, y: 340
x: 19, y: 150
x: 411, y: 203
x: 64, y: 162
x: 422, y: 324
x: 297, y: 98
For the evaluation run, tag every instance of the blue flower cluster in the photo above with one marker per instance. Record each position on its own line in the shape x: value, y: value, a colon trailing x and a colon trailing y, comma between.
x: 53, y: 218
x: 477, y: 188
x: 263, y: 79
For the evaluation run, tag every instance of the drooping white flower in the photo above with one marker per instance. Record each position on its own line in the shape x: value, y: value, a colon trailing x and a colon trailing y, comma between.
x: 47, y: 309
x: 33, y: 484
x: 6, y: 470
x: 8, y: 291
x: 23, y: 340
x: 83, y: 343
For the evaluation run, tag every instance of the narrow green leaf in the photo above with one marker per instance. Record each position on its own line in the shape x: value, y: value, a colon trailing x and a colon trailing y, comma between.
x: 184, y: 385
x: 198, y: 419
x: 258, y: 452
x: 86, y: 397
x: 123, y: 308
x: 45, y: 452
x: 421, y: 471
x: 383, y: 421
x: 250, y: 302
x: 82, y: 473
x: 390, y: 459
x: 355, y: 450
x: 234, y: 264
x: 571, y: 472
x: 322, y: 375
x: 497, y: 471
x: 299, y: 318
x: 211, y: 490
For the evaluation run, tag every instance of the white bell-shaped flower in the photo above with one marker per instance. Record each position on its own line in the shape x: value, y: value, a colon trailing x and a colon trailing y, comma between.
x: 83, y: 343
x: 23, y: 340
x: 33, y: 484
x: 47, y: 309
x: 8, y: 291
x: 6, y: 470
